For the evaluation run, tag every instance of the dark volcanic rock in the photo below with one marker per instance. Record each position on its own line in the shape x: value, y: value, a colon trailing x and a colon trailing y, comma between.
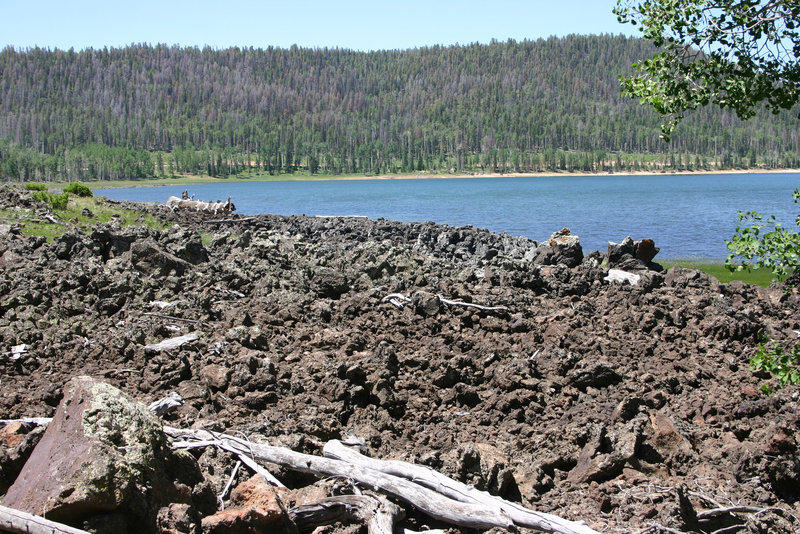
x: 578, y: 397
x: 103, y: 456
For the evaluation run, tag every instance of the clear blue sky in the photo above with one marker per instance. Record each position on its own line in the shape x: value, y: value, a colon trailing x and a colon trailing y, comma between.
x: 355, y: 24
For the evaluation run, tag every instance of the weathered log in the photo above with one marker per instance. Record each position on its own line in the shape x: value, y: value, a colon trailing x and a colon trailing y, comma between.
x: 431, y: 492
x: 171, y: 343
x: 433, y: 480
x: 376, y: 512
x: 19, y: 522
x: 470, y: 515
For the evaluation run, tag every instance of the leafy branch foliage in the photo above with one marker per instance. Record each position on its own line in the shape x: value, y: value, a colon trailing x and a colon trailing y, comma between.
x: 775, y: 359
x: 765, y: 244
x: 731, y: 53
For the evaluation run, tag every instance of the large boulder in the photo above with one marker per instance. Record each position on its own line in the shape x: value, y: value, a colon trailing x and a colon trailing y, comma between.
x: 630, y: 255
x: 104, y: 461
x: 562, y: 248
x: 147, y: 257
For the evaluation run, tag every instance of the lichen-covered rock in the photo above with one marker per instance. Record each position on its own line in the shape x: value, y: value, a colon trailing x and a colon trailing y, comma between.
x: 103, y: 455
x: 562, y: 248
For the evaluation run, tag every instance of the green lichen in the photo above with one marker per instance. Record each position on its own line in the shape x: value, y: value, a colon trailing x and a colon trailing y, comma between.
x: 127, y: 427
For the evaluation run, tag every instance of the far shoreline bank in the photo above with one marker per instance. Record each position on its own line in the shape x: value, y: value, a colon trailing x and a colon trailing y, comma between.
x: 197, y: 179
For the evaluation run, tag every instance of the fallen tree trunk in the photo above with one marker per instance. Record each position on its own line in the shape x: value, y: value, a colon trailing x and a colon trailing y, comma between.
x: 19, y: 522
x: 430, y: 502
x: 377, y: 513
x: 433, y: 493
x: 433, y: 480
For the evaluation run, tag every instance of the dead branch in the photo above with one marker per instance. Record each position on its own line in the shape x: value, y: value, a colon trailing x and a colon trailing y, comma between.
x: 438, y: 506
x: 171, y: 343
x: 374, y: 511
x: 19, y: 522
x: 228, y: 485
x: 109, y: 372
x: 706, y: 514
x: 470, y: 305
x: 433, y: 480
x: 397, y: 300
x: 171, y: 318
x: 244, y: 219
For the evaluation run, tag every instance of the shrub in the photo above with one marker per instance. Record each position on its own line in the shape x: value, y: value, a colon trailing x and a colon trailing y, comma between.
x: 34, y: 186
x: 79, y: 189
x: 57, y: 201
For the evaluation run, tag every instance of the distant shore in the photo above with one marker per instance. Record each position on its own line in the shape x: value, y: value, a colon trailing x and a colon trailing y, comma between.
x: 197, y: 179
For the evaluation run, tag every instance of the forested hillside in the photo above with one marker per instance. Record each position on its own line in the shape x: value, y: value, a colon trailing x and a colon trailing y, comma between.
x: 514, y: 106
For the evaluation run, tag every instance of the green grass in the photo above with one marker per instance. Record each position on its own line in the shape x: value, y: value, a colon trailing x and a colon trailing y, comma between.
x: 759, y: 277
x: 73, y: 217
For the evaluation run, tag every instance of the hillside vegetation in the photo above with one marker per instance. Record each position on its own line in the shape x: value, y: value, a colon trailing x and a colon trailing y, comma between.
x: 551, y: 104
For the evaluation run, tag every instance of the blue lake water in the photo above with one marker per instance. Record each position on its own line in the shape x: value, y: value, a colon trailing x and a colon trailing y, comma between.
x: 687, y: 216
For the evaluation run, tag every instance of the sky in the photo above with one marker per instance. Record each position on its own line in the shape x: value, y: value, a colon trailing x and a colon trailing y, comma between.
x: 354, y: 24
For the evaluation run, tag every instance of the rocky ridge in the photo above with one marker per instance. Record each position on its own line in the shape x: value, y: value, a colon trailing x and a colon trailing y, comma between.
x: 626, y: 406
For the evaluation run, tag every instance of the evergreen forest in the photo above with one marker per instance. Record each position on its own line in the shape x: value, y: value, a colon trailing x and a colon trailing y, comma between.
x: 547, y: 105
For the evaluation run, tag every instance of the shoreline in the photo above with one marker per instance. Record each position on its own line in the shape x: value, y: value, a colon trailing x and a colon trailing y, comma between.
x: 197, y: 179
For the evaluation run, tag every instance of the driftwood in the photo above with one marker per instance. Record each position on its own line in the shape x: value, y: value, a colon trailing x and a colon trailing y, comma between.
x: 171, y: 343
x: 620, y: 277
x: 397, y: 300
x: 470, y: 305
x: 427, y: 477
x: 374, y: 511
x: 430, y: 502
x: 171, y: 318
x: 166, y: 404
x: 19, y: 522
x: 225, y: 208
x: 220, y: 221
x: 435, y: 494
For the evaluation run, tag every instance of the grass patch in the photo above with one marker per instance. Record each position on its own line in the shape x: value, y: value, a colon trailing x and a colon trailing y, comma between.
x: 760, y: 277
x: 81, y: 213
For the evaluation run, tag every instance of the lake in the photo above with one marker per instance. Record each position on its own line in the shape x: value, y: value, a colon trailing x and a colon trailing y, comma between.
x: 688, y: 216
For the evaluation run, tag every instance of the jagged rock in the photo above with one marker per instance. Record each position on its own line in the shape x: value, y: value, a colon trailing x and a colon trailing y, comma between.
x: 102, y: 456
x: 668, y: 441
x: 630, y: 255
x: 329, y: 283
x: 562, y: 248
x: 17, y: 441
x: 178, y: 519
x: 604, y: 456
x: 147, y: 257
x: 485, y: 467
x: 646, y: 250
x: 256, y: 507
x: 594, y: 374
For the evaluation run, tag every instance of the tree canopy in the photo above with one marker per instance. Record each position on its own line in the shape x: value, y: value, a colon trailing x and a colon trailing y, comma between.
x: 732, y: 53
